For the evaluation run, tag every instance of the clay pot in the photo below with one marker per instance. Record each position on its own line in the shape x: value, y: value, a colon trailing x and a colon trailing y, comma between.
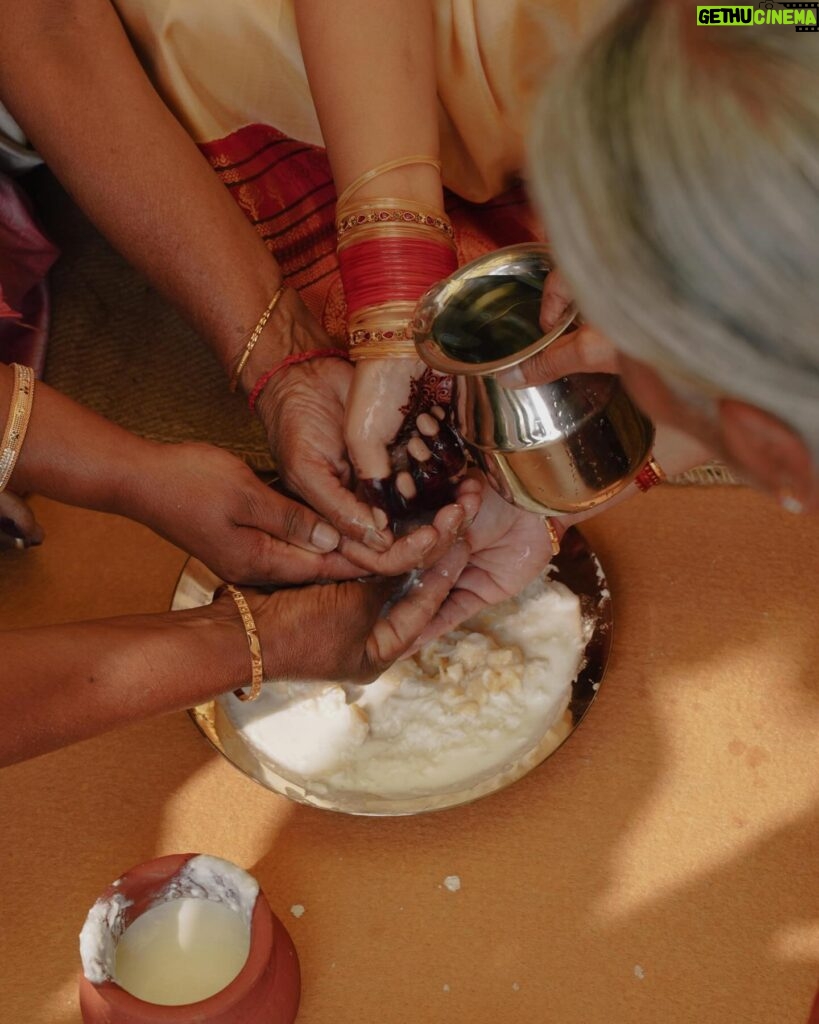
x: 265, y: 991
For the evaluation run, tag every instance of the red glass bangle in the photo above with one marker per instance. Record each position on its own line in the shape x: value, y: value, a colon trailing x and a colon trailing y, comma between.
x: 393, y: 270
x: 299, y: 357
x: 649, y: 475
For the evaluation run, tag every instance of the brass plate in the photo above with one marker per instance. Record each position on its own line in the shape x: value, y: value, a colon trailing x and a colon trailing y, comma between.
x: 576, y: 566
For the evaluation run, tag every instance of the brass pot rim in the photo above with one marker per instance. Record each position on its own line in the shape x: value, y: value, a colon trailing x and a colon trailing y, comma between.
x: 431, y: 303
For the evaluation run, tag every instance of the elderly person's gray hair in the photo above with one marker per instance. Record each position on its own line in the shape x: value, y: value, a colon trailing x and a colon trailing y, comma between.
x: 677, y: 170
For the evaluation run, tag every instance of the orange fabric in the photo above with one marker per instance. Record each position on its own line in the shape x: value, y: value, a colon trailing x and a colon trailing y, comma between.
x: 221, y: 66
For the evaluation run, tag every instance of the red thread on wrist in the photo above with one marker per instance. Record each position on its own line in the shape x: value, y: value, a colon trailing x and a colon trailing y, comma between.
x: 299, y: 357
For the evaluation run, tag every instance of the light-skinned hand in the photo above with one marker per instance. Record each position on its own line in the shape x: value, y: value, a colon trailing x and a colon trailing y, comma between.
x: 580, y: 350
x: 508, y: 548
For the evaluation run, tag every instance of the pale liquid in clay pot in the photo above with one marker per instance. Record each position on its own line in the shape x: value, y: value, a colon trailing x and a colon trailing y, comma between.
x: 186, y: 939
x: 182, y: 951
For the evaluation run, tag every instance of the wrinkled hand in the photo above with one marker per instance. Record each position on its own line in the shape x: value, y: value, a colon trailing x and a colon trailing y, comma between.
x: 349, y: 631
x: 508, y: 548
x: 209, y: 503
x: 303, y: 411
x: 581, y: 350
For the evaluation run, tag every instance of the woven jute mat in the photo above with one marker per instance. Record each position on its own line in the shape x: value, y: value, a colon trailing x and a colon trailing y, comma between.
x: 120, y: 348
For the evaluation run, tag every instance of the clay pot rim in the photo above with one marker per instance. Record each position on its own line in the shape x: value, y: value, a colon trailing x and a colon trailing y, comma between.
x: 162, y: 870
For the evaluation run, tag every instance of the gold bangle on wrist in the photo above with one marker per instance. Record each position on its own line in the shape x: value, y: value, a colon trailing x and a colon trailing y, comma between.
x: 375, y: 172
x: 257, y: 669
x: 554, y: 538
x: 381, y: 332
x: 17, y: 423
x: 254, y: 337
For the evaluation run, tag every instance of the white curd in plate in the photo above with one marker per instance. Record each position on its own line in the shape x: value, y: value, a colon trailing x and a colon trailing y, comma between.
x: 462, y: 708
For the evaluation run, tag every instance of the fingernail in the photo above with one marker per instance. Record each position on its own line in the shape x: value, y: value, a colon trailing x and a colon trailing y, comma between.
x: 381, y: 519
x: 325, y: 537
x: 460, y: 522
x: 418, y: 450
x: 11, y: 529
x: 427, y: 424
x: 375, y: 540
x: 405, y: 485
x: 426, y: 544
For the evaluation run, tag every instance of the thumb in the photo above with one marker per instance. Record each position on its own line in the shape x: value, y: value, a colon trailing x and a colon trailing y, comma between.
x: 290, y: 521
x: 583, y: 351
x: 18, y: 527
x: 415, y: 608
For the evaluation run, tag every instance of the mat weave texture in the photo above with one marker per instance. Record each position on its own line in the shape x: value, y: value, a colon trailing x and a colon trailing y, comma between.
x: 120, y: 348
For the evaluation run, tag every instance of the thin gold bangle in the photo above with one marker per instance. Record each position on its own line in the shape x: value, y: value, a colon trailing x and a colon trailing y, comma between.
x: 254, y: 337
x: 257, y: 669
x: 370, y: 231
x: 390, y: 165
x: 383, y: 350
x: 387, y: 216
x: 17, y: 423
x: 381, y: 313
x: 554, y: 538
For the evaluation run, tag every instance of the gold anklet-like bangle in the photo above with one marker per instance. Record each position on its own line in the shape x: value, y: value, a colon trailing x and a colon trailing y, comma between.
x: 253, y: 642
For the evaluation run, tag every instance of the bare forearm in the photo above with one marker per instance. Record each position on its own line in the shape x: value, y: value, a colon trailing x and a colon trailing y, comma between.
x: 70, y: 77
x: 61, y: 684
x: 372, y: 75
x: 73, y: 455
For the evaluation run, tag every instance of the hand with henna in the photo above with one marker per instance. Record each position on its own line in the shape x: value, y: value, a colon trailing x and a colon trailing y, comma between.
x: 421, y: 465
x: 303, y: 411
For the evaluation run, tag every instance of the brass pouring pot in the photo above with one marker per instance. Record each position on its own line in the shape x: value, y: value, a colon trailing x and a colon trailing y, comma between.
x: 557, y: 448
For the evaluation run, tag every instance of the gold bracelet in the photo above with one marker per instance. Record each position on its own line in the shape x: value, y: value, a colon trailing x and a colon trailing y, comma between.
x: 382, y: 313
x: 254, y: 337
x: 382, y: 332
x: 17, y: 423
x: 257, y: 670
x: 399, y: 349
x: 390, y: 165
x: 375, y: 231
x: 554, y: 539
x: 395, y: 222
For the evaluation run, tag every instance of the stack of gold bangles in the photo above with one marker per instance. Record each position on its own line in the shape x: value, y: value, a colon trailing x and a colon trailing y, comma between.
x: 17, y: 423
x: 390, y: 251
